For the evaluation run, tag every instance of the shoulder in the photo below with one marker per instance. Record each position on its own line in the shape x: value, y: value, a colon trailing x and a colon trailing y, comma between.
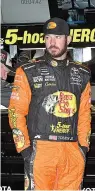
x: 83, y: 68
x: 33, y: 63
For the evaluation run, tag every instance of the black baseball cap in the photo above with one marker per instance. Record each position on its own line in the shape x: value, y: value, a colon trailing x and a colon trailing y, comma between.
x: 56, y: 26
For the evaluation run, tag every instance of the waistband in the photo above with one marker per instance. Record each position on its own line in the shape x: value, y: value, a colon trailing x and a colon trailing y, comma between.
x: 56, y: 138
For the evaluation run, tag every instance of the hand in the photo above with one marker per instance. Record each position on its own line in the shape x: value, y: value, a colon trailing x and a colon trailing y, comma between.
x: 27, y: 155
x: 28, y: 168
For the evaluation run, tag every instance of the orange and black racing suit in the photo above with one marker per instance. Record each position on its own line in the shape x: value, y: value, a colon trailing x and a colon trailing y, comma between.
x: 49, y: 114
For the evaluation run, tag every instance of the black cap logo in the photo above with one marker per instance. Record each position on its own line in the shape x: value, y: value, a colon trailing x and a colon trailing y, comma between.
x: 51, y: 25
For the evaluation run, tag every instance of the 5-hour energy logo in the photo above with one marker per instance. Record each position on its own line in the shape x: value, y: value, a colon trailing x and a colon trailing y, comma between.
x: 27, y: 38
x: 83, y: 35
x: 60, y: 128
x: 78, y: 35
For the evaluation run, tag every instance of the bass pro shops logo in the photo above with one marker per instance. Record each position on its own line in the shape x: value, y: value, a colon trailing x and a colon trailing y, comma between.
x: 61, y: 104
x: 51, y: 25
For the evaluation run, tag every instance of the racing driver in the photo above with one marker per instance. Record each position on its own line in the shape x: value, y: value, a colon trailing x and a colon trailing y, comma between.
x: 49, y: 114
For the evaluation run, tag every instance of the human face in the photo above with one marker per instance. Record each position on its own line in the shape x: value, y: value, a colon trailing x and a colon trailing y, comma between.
x: 56, y: 45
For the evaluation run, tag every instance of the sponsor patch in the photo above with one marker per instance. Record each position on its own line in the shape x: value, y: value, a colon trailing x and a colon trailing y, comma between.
x: 84, y: 70
x: 51, y: 25
x: 28, y: 67
x: 13, y: 117
x: 43, y: 71
x: 54, y: 63
x: 44, y: 74
x: 15, y: 96
x: 18, y: 138
x: 15, y: 88
x: 37, y: 79
x: 74, y: 71
x: 37, y: 136
x: 50, y: 78
x: 65, y: 138
x: 36, y: 85
x: 52, y: 137
x: 50, y: 84
x: 61, y: 104
x: 75, y: 77
x: 60, y: 128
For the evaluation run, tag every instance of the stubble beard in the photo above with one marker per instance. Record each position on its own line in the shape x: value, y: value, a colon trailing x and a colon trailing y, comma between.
x: 59, y: 54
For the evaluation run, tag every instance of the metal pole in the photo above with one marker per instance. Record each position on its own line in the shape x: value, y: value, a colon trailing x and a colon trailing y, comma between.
x: 89, y: 3
x: 53, y: 8
x: 73, y: 6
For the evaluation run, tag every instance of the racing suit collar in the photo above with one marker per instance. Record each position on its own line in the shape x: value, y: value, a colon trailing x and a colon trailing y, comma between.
x: 53, y: 62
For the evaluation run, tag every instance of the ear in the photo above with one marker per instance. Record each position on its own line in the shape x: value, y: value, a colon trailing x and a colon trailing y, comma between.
x: 69, y: 38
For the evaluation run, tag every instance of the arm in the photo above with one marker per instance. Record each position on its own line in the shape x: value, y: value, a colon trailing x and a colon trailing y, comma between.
x: 18, y: 110
x: 84, y: 118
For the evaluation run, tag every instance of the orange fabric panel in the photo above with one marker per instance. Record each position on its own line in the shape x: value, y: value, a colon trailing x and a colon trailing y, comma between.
x: 18, y: 110
x: 58, y: 166
x: 84, y: 117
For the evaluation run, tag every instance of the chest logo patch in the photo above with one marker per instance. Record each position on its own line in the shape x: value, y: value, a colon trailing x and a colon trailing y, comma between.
x: 61, y: 104
x: 18, y: 138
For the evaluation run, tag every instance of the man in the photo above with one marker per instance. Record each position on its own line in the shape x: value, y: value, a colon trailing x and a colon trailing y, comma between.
x: 53, y: 96
x: 7, y: 77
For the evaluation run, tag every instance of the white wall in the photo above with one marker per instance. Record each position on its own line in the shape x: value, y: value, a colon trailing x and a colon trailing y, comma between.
x: 24, y: 11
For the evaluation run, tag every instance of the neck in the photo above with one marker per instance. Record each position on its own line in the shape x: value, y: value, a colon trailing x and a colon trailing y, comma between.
x: 61, y: 57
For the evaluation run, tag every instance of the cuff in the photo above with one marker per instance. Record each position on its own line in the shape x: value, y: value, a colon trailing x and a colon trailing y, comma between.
x: 26, y: 152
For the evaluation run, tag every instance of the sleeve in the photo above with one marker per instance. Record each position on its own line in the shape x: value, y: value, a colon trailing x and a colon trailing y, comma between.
x: 18, y: 110
x: 84, y: 117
